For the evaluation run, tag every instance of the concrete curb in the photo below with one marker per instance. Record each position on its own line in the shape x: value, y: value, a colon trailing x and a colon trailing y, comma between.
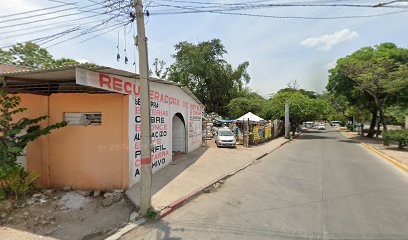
x: 126, y: 229
x: 381, y: 154
x: 179, y: 202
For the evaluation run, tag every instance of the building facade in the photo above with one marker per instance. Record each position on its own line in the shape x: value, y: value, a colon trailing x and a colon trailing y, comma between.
x: 100, y: 147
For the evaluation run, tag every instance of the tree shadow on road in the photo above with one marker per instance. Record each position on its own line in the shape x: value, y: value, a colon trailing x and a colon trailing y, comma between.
x: 348, y: 141
x: 165, y: 175
x: 158, y: 230
x: 313, y: 136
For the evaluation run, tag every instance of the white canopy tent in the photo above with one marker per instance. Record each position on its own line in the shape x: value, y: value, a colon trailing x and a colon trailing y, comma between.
x: 252, y: 117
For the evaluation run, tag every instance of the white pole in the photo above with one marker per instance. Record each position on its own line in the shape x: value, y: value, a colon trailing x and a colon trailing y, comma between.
x: 287, y: 123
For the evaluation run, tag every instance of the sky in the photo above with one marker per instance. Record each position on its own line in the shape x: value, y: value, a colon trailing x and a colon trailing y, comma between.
x: 279, y: 51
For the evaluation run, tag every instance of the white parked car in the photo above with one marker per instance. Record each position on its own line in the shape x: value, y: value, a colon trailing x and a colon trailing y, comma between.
x: 225, y: 138
x: 321, y: 126
x: 335, y: 123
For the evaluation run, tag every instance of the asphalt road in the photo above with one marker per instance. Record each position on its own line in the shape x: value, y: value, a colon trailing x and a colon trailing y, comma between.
x: 319, y: 186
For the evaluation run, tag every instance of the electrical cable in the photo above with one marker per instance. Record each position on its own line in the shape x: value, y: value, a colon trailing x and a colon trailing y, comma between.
x: 223, y: 11
x: 100, y: 34
x: 56, y: 17
x: 82, y: 34
x: 57, y: 25
x: 32, y: 11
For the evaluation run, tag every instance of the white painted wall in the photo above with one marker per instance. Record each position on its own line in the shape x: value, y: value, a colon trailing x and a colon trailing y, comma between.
x: 162, y: 131
x: 167, y: 100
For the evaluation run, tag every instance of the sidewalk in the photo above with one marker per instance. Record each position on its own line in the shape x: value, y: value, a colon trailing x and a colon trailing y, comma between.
x: 199, y: 169
x: 401, y: 155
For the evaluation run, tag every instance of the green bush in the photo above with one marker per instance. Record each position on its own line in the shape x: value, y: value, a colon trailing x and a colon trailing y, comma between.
x: 151, y: 213
x: 14, y: 180
x: 399, y: 136
x: 15, y: 134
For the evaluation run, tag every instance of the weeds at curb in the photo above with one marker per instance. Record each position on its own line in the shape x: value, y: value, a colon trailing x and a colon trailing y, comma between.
x: 151, y: 214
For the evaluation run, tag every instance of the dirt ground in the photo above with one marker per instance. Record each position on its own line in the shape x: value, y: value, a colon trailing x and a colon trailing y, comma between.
x: 50, y: 214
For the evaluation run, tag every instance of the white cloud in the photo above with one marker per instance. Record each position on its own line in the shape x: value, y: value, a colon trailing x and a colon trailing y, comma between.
x: 327, y: 41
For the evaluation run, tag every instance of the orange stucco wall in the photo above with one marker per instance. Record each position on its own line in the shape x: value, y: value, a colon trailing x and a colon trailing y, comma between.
x: 84, y: 157
x: 37, y: 152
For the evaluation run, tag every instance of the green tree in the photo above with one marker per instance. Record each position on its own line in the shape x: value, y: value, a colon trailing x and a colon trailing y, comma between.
x: 13, y: 140
x: 5, y: 57
x: 371, y: 77
x: 302, y: 108
x: 310, y: 94
x: 64, y: 62
x: 159, y: 69
x: 14, y: 137
x: 32, y: 55
x: 399, y: 136
x: 241, y: 105
x: 396, y: 114
x: 202, y: 68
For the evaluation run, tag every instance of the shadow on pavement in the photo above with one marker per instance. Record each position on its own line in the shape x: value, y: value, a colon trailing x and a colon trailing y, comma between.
x: 156, y: 230
x: 348, y: 141
x: 314, y: 136
x: 308, y: 130
x: 176, y: 167
x: 165, y: 175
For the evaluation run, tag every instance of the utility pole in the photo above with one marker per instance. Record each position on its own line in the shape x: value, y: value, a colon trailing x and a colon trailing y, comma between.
x: 146, y: 161
x: 246, y: 132
x: 353, y: 123
x: 287, y: 123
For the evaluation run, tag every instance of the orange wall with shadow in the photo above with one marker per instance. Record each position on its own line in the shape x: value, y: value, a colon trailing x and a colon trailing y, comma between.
x: 83, y: 157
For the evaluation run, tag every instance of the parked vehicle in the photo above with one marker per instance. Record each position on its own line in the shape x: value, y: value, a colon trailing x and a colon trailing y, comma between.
x: 225, y: 138
x: 321, y: 126
x: 309, y: 124
x: 335, y: 123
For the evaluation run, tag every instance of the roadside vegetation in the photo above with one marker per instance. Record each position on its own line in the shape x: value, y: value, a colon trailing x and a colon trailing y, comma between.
x: 14, y: 137
x: 369, y: 85
x: 373, y: 82
x: 32, y: 55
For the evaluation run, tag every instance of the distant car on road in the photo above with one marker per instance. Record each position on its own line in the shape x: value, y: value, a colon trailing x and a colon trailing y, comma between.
x: 225, y: 138
x: 335, y: 123
x: 309, y: 124
x: 321, y: 126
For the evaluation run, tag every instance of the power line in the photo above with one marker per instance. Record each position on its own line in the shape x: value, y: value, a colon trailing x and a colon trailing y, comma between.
x: 103, y: 33
x: 52, y: 37
x: 121, y: 11
x: 42, y: 30
x: 42, y: 14
x: 83, y: 34
x: 31, y: 11
x: 246, y: 6
x: 60, y: 16
x: 224, y: 11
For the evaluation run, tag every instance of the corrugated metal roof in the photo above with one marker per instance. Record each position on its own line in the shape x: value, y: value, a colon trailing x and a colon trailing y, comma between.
x: 5, y: 67
x: 62, y: 79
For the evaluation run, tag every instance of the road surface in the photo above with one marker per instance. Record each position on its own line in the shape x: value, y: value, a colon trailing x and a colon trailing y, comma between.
x: 320, y: 186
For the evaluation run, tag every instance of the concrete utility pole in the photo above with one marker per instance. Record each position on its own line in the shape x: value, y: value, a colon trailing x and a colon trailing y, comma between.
x: 275, y: 128
x: 146, y: 162
x: 287, y: 123
x: 406, y: 122
x: 246, y: 132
